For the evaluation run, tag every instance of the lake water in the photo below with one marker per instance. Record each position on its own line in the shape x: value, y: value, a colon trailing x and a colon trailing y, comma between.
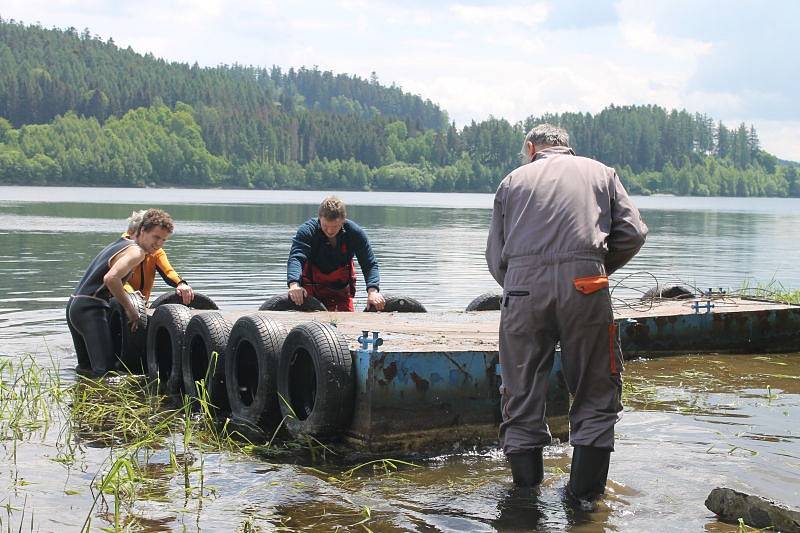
x: 703, y: 423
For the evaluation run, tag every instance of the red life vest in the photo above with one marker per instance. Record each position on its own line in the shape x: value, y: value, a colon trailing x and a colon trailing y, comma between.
x: 334, y: 289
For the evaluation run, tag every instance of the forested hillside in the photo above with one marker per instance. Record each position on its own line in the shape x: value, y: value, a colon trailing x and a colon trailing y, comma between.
x: 77, y: 110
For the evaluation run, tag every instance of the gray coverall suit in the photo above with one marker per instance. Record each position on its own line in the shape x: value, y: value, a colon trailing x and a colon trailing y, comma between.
x: 560, y: 225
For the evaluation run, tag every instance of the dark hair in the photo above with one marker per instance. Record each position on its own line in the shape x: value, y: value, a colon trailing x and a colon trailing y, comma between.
x: 156, y: 217
x: 332, y: 208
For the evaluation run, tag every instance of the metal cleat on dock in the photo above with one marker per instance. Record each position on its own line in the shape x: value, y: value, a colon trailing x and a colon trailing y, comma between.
x: 707, y: 305
x: 366, y: 341
x: 711, y: 293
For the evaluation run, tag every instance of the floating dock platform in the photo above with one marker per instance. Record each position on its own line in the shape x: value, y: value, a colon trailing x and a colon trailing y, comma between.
x: 432, y: 380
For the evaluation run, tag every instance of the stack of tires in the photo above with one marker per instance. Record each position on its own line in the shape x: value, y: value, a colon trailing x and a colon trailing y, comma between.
x: 186, y: 347
x: 130, y: 347
x: 301, y: 380
x: 254, y: 372
x: 165, y: 338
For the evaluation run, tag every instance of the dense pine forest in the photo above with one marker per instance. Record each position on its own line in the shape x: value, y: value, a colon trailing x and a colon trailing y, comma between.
x: 78, y: 110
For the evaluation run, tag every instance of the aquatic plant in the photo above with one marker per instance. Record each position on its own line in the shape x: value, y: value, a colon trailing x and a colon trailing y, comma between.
x: 120, y: 413
x: 771, y: 290
x: 638, y: 390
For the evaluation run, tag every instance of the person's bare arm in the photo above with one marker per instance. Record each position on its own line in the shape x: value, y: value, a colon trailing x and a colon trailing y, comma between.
x: 121, y: 265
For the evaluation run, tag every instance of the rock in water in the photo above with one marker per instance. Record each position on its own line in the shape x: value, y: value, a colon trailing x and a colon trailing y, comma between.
x: 731, y: 505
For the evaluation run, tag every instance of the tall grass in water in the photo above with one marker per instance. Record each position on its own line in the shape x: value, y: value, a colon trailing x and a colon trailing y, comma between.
x: 771, y: 290
x: 152, y: 442
x: 119, y: 413
x: 138, y: 426
x: 30, y: 395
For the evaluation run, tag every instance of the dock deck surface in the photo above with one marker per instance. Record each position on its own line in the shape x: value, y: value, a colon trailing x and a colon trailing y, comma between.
x: 459, y: 331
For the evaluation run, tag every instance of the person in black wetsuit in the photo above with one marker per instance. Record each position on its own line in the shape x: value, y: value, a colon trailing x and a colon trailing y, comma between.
x: 321, y: 260
x: 88, y: 309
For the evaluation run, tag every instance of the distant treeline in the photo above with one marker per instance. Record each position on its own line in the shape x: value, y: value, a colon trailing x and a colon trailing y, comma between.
x: 81, y: 111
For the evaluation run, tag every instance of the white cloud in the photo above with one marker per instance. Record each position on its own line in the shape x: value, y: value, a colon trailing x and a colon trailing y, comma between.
x: 525, y: 14
x: 781, y: 138
x: 644, y: 38
x: 407, y: 16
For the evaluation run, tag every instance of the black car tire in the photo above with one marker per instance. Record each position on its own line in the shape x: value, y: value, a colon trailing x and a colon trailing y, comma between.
x: 251, y: 368
x: 399, y: 304
x: 165, y: 335
x: 130, y: 347
x: 488, y: 301
x: 281, y: 302
x: 206, y: 334
x: 200, y: 301
x: 316, y: 381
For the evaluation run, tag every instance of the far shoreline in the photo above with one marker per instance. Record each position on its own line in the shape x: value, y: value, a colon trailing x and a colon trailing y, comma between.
x: 166, y: 196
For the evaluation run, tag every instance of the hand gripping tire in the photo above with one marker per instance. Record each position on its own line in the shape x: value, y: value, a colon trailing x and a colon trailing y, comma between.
x: 165, y: 335
x: 203, y: 358
x: 399, y: 304
x: 130, y: 347
x: 316, y: 381
x: 200, y: 301
x: 282, y: 302
x: 251, y: 368
x: 488, y: 301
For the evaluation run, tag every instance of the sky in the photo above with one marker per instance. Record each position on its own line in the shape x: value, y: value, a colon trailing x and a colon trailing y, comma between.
x: 735, y: 60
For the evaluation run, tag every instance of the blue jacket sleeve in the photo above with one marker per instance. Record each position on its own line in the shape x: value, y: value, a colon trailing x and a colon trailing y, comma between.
x: 298, y: 255
x: 363, y: 251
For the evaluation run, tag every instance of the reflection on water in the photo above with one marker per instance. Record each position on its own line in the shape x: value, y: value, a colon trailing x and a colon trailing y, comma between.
x: 738, y: 413
x: 690, y: 424
x: 236, y: 252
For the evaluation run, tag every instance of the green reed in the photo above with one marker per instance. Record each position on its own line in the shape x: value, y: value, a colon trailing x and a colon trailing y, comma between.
x: 770, y: 290
x: 150, y: 439
x: 126, y: 416
x: 120, y: 413
x: 29, y: 393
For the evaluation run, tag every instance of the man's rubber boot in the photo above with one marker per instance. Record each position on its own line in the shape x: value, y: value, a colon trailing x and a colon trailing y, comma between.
x: 527, y: 468
x: 588, y: 475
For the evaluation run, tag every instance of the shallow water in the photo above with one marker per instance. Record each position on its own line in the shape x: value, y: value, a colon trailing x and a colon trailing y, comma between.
x: 691, y: 423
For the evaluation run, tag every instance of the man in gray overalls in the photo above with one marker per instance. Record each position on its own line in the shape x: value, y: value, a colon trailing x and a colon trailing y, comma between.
x: 561, y: 224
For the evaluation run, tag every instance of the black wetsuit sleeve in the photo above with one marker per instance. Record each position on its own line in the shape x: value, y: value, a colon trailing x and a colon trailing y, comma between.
x: 366, y: 258
x: 299, y: 253
x: 168, y: 280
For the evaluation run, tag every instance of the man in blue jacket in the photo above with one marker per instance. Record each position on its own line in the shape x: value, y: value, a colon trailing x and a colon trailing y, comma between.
x: 321, y: 260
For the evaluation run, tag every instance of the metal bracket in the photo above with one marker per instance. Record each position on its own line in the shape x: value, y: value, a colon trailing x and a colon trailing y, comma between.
x: 707, y: 305
x: 366, y: 340
x: 710, y: 293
